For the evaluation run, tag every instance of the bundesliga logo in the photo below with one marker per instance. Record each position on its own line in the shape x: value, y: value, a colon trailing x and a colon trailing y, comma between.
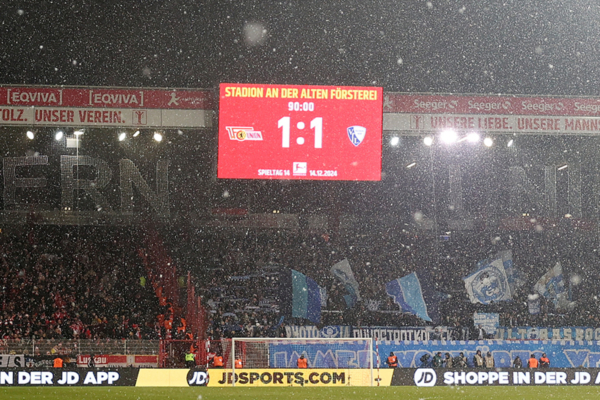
x: 242, y: 133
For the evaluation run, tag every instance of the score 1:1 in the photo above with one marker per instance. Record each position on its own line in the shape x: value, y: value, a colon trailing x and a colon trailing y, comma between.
x: 316, y: 124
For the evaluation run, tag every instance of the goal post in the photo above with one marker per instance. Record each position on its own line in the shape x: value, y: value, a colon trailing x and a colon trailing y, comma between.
x: 320, y: 353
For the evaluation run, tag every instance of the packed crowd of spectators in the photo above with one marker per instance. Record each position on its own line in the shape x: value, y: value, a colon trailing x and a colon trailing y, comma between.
x: 74, y: 283
x: 89, y: 282
x: 241, y: 307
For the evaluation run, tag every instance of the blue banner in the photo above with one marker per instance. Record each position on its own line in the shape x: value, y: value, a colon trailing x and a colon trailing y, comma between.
x: 308, y: 331
x: 406, y: 333
x: 545, y: 333
x: 321, y: 354
x: 488, y: 321
x: 562, y: 353
x: 374, y: 332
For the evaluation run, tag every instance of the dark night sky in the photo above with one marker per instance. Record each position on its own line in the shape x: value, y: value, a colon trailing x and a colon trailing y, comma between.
x: 511, y: 47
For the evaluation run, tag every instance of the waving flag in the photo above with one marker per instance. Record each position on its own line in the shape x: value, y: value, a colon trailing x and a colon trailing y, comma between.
x: 343, y: 272
x: 512, y: 273
x: 552, y: 286
x: 533, y: 303
x: 488, y: 284
x: 415, y: 294
x: 300, y: 296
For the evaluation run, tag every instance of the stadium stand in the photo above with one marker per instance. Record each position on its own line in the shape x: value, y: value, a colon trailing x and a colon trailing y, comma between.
x: 71, y: 283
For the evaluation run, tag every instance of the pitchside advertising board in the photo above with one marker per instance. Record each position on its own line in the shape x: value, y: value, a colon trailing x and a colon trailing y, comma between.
x: 156, y: 377
x: 429, y: 377
x: 300, y: 132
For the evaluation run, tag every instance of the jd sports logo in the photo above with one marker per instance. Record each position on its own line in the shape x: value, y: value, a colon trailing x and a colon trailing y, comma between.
x: 425, y: 377
x: 198, y: 378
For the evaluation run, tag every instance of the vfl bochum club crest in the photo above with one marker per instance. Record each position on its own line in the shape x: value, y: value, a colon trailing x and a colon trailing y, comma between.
x: 489, y: 285
x: 356, y: 134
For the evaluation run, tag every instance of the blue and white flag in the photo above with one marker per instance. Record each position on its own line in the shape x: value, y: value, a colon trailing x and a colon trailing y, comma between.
x: 512, y: 273
x: 488, y: 321
x: 300, y: 296
x: 552, y: 286
x: 343, y: 272
x: 415, y: 294
x: 488, y: 284
x: 533, y: 304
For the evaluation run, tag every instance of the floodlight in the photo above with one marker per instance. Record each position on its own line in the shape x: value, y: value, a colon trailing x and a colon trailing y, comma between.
x: 448, y: 136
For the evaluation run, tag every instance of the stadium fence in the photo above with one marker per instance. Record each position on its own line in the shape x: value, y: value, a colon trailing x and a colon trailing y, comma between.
x: 78, y: 347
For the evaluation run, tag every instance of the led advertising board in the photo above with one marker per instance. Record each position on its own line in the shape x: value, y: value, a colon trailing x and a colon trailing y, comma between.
x: 300, y: 132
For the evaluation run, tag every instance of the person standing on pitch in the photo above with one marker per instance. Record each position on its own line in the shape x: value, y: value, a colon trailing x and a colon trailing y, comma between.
x: 302, y: 362
x: 448, y: 361
x: 478, y: 360
x: 438, y: 361
x: 533, y: 362
x: 518, y: 363
x: 58, y: 362
x: 392, y: 360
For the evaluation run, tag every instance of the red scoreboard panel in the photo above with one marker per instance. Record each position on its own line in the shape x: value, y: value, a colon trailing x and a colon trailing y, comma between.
x: 300, y: 132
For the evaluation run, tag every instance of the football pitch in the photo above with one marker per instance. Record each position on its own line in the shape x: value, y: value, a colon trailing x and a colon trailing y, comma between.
x: 292, y: 393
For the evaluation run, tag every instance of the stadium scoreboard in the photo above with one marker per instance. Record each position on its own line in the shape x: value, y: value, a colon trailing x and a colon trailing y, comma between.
x: 300, y: 132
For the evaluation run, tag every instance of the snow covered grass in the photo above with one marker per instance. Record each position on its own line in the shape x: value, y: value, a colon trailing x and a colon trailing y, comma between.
x: 343, y: 393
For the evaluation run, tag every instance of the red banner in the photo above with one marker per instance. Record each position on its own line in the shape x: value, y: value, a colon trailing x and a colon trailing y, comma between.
x: 497, y: 105
x: 106, y: 98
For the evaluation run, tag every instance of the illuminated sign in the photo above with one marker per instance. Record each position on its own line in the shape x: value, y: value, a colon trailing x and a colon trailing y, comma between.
x: 300, y: 132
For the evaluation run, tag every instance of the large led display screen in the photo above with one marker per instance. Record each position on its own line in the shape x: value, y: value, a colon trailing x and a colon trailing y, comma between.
x: 300, y: 132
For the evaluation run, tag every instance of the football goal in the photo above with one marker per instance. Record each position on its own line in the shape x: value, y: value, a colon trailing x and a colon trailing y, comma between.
x: 283, y: 353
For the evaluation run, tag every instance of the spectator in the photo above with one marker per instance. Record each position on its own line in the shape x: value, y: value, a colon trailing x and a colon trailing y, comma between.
x: 518, y: 363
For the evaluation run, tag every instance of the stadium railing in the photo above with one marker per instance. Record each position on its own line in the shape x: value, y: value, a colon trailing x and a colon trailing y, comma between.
x: 76, y: 347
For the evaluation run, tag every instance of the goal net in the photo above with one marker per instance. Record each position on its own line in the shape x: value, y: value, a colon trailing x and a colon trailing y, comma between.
x: 283, y: 353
